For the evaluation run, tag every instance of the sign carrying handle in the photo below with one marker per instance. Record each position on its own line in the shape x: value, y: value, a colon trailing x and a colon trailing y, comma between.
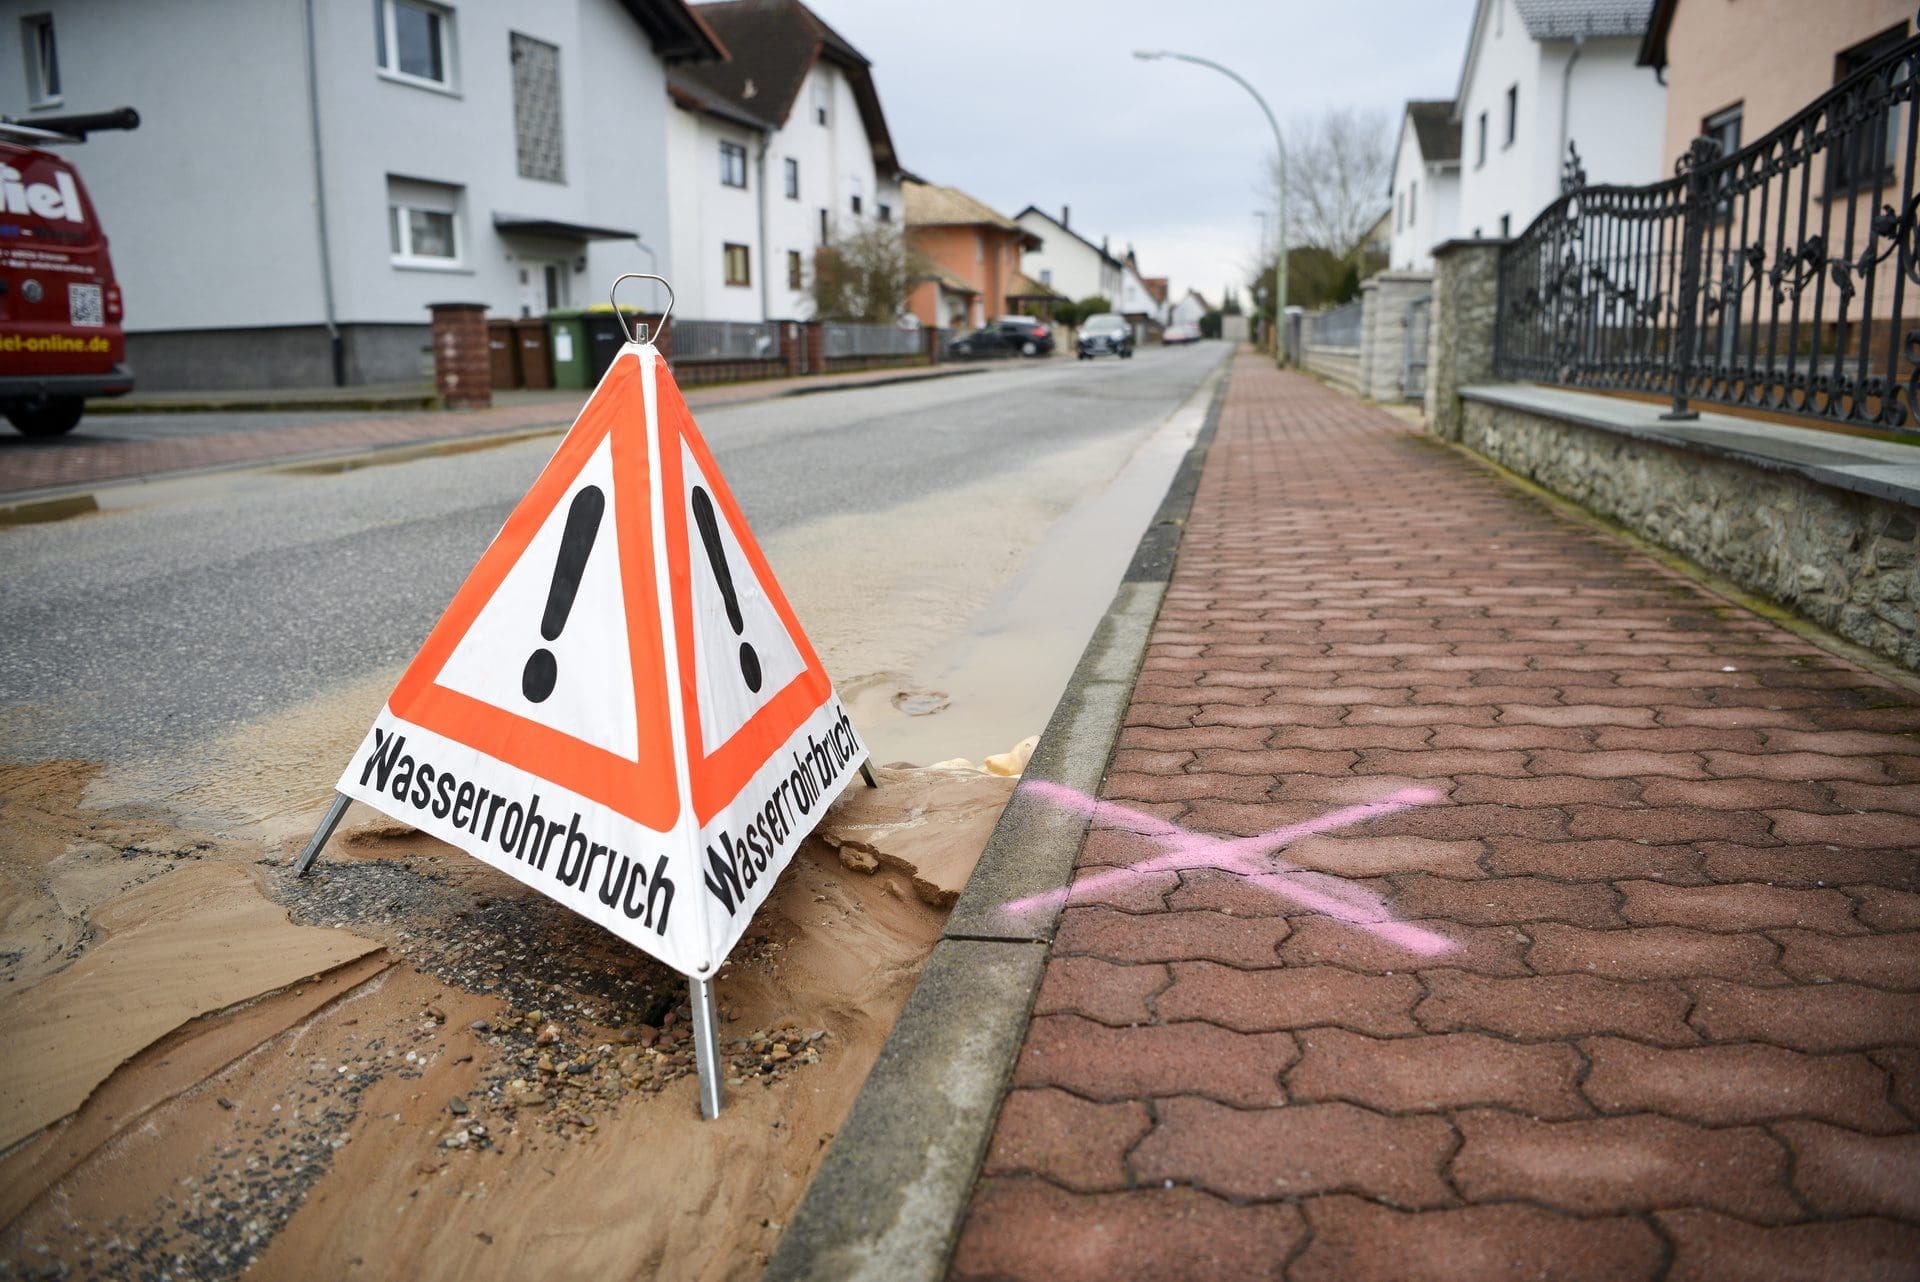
x: 642, y: 325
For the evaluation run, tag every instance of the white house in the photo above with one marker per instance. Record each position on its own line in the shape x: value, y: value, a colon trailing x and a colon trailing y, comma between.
x: 1189, y: 309
x: 1543, y: 75
x: 1426, y: 185
x: 309, y: 177
x: 1140, y: 302
x: 1067, y: 262
x: 774, y: 153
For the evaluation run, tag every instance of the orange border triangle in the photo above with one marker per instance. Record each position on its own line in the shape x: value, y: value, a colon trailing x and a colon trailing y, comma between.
x: 717, y: 776
x: 644, y: 790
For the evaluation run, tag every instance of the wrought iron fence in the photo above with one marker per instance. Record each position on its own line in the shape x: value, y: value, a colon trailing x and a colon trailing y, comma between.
x: 711, y: 340
x: 1337, y: 326
x: 1773, y: 278
x: 845, y: 339
x: 1413, y: 375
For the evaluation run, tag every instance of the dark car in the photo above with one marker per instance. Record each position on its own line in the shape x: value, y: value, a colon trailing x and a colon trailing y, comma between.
x: 1033, y: 337
x: 985, y: 344
x: 1106, y: 334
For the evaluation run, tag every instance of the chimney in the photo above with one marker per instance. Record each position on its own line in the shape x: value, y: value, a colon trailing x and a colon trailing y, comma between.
x: 1066, y: 215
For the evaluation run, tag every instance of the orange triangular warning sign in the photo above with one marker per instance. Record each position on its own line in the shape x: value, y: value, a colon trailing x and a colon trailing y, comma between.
x: 619, y: 707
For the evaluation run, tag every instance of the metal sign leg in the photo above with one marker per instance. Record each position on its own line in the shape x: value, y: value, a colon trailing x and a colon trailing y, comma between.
x: 706, y: 1046
x: 866, y: 772
x: 320, y: 834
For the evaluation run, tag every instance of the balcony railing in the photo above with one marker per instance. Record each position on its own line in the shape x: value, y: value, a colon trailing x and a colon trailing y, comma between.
x: 1776, y: 278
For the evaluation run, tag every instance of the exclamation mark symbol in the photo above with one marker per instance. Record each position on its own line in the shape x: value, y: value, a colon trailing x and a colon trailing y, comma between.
x: 576, y: 541
x: 717, y: 556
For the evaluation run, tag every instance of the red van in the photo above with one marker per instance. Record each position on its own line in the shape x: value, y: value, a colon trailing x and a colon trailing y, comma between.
x: 60, y: 308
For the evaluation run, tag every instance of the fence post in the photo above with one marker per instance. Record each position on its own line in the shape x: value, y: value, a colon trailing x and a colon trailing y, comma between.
x: 1466, y: 310
x: 790, y: 348
x: 1693, y: 234
x: 813, y: 346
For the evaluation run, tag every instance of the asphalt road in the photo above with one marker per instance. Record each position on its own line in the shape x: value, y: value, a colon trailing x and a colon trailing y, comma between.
x: 135, y: 634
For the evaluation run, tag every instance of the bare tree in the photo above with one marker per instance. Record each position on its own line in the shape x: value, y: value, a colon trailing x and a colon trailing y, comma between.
x: 1339, y: 164
x: 863, y: 276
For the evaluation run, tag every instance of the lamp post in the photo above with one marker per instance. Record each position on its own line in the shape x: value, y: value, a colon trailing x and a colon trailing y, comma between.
x: 1280, y: 149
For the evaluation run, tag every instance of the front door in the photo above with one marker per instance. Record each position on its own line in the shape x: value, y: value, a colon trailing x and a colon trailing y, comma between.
x: 543, y: 285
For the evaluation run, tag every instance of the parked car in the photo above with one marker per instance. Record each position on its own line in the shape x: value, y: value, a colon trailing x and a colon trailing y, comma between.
x: 60, y: 307
x: 1175, y: 335
x: 1035, y: 337
x: 984, y: 344
x: 1106, y: 334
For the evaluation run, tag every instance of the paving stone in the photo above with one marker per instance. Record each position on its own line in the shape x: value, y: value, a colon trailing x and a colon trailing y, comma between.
x: 1652, y: 952
x: 1070, y: 1141
x: 1618, y: 1164
x: 1588, y: 860
x: 1746, y: 1082
x: 1347, y: 855
x: 1817, y: 1017
x: 1577, y: 714
x: 1841, y: 1172
x: 1738, y: 794
x: 1110, y: 993
x: 1903, y: 1063
x: 1884, y: 960
x: 1795, y: 766
x: 1901, y: 797
x: 1296, y: 997
x: 1679, y: 739
x: 1433, y: 1073
x: 1551, y: 790
x: 1504, y: 900
x: 1483, y: 950
x: 1875, y: 828
x: 1525, y: 736
x: 1359, y: 1241
x: 1745, y: 906
x: 1808, y: 866
x: 1093, y: 1060
x: 1168, y: 936
x: 1669, y: 824
x: 1553, y: 1006
x: 1028, y: 1230
x: 1719, y: 1248
x: 1267, y: 1154
x: 1884, y: 909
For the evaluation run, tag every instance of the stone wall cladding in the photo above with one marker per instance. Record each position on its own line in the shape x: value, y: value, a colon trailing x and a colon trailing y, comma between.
x: 1466, y: 303
x: 1847, y: 561
x: 1338, y: 365
x: 1383, y: 332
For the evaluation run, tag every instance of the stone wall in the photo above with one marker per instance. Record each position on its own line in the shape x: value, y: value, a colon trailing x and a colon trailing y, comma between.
x: 1466, y: 302
x: 1846, y: 560
x: 1383, y: 332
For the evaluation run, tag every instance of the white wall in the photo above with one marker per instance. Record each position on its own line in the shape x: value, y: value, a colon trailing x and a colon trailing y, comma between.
x: 832, y: 158
x: 1078, y: 270
x: 1615, y: 114
x: 1509, y: 180
x: 210, y: 204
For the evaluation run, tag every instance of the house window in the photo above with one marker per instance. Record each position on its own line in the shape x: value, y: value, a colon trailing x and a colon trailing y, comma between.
x: 1046, y: 277
x: 415, y: 41
x: 1399, y: 210
x: 1867, y: 153
x: 793, y: 178
x: 1413, y: 202
x: 822, y: 98
x: 883, y: 211
x: 1724, y: 128
x: 853, y: 200
x: 1513, y: 112
x: 825, y: 227
x: 794, y: 270
x: 537, y: 140
x: 738, y: 272
x: 43, y: 60
x: 423, y: 223
x: 1480, y: 156
x: 733, y: 164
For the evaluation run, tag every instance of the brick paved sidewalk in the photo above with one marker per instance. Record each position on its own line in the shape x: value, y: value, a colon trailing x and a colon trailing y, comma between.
x: 1677, y: 1034
x: 78, y: 460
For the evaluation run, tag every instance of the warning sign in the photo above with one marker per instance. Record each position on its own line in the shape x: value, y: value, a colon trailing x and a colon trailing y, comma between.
x: 619, y: 708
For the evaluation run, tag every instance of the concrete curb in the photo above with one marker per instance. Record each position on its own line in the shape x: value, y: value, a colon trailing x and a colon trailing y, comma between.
x: 888, y: 1201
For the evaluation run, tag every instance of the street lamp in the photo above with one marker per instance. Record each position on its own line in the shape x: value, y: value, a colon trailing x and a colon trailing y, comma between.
x: 1280, y: 148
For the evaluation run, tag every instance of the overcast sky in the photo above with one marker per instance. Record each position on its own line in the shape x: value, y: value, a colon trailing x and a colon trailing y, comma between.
x: 1040, y: 102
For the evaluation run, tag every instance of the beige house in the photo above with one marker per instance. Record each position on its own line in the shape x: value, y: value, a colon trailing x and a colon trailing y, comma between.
x: 1734, y: 71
